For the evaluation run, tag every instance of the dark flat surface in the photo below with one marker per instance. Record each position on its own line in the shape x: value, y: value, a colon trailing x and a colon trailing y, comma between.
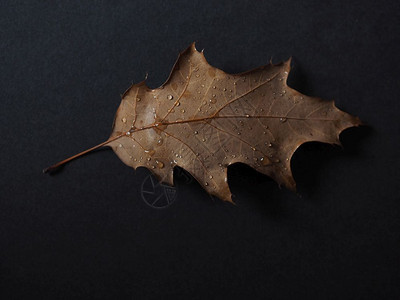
x: 87, y: 233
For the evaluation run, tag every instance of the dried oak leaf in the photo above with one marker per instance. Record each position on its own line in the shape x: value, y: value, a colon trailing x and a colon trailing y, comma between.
x: 203, y: 120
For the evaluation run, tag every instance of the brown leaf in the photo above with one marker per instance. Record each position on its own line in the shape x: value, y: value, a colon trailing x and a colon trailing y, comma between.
x: 203, y: 120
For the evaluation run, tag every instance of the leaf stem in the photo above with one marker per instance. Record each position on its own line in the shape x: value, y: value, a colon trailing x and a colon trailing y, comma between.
x: 59, y: 164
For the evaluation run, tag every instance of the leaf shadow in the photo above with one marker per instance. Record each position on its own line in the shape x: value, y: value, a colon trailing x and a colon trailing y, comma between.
x: 188, y: 185
x: 298, y: 79
x: 309, y: 161
x: 258, y: 192
x: 255, y: 191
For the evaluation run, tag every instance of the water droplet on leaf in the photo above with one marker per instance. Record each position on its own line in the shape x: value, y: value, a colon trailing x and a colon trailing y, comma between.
x: 160, y: 164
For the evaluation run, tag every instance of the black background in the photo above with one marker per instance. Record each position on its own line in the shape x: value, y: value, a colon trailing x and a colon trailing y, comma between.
x: 86, y: 232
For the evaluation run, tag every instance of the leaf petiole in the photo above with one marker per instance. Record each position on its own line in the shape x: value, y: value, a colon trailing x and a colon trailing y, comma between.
x: 59, y: 164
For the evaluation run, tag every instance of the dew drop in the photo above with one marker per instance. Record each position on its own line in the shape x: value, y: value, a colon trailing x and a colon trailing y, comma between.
x: 282, y: 120
x: 265, y: 161
x: 150, y: 152
x: 170, y: 97
x: 123, y: 120
x: 247, y: 116
x: 211, y: 177
x: 160, y: 142
x: 128, y: 133
x: 196, y: 132
x: 160, y: 164
x: 206, y: 183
